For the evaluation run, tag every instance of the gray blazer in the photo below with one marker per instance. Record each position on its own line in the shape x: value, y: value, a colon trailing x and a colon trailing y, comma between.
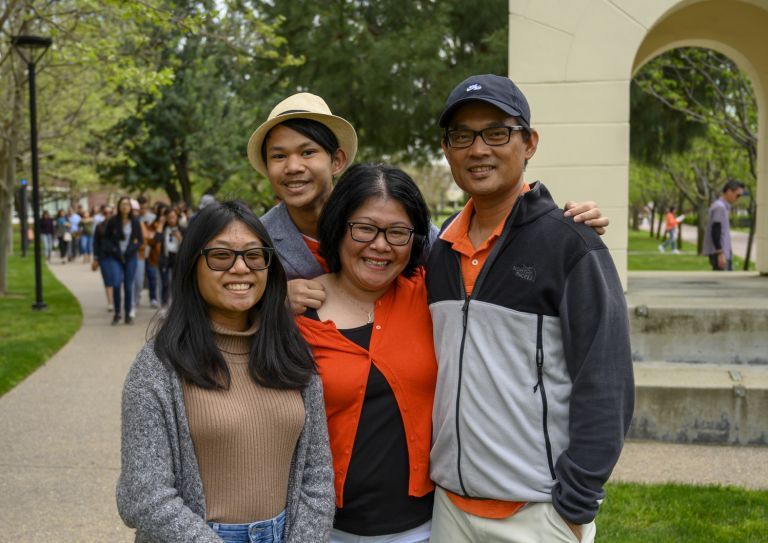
x: 160, y: 492
x: 295, y: 256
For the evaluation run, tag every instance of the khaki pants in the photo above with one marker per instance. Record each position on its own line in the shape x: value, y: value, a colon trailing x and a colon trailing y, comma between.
x: 534, y: 523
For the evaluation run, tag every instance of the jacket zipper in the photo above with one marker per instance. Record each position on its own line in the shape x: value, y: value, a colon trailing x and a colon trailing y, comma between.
x: 465, y: 312
x: 540, y: 384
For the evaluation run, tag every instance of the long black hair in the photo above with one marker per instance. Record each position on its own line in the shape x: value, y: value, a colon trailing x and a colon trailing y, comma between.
x: 358, y: 184
x: 279, y: 357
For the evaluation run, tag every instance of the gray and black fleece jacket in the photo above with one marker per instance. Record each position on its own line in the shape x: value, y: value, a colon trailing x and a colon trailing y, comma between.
x: 535, y: 390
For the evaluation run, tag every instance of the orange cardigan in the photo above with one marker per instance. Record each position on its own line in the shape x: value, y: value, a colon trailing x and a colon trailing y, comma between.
x: 401, y: 348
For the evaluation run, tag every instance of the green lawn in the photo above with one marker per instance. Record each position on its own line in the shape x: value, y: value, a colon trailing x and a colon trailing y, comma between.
x: 27, y: 337
x: 634, y: 513
x: 643, y: 254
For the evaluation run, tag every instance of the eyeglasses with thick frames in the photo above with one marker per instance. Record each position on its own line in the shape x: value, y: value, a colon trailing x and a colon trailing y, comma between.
x: 493, y: 136
x: 222, y: 259
x: 363, y: 232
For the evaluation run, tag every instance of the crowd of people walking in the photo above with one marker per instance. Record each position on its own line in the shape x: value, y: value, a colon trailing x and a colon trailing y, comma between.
x: 133, y: 245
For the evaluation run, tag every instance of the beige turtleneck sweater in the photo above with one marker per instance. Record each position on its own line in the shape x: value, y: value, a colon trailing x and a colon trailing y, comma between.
x: 244, y: 437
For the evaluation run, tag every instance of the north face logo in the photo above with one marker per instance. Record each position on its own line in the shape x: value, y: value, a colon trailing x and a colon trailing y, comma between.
x: 527, y: 273
x: 474, y: 87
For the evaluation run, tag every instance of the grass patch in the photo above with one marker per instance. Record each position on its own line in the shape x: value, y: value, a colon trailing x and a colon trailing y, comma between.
x: 28, y: 337
x: 643, y: 254
x: 635, y: 513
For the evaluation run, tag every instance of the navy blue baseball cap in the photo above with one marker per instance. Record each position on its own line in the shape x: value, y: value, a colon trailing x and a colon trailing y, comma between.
x: 493, y: 89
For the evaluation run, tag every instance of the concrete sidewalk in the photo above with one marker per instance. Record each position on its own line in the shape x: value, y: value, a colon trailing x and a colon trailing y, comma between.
x: 60, y: 435
x: 60, y: 428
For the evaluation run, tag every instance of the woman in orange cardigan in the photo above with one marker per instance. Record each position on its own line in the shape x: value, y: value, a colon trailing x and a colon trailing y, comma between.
x: 372, y: 340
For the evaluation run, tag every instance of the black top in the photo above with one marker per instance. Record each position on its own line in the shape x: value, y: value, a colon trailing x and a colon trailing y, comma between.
x: 376, y: 500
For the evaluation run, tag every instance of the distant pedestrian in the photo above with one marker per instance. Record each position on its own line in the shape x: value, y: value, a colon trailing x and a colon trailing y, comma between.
x: 73, y: 218
x: 122, y: 239
x: 146, y: 217
x: 169, y: 233
x: 670, y: 229
x: 63, y: 234
x: 717, y: 237
x: 48, y: 231
x: 85, y: 238
x: 98, y: 255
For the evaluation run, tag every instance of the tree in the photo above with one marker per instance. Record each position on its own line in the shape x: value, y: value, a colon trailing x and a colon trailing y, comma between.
x: 699, y: 173
x: 191, y: 138
x: 84, y: 65
x: 387, y: 66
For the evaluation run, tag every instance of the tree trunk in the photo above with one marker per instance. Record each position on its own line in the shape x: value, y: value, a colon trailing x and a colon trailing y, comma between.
x: 181, y: 162
x: 679, y: 210
x: 172, y: 192
x: 701, y: 224
x: 8, y: 154
x: 751, y: 237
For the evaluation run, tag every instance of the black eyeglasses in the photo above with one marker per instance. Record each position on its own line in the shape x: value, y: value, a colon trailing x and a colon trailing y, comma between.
x: 222, y: 259
x: 493, y: 136
x: 366, y: 233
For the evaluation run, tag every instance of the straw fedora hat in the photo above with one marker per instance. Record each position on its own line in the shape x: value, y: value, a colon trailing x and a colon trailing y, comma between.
x: 302, y: 106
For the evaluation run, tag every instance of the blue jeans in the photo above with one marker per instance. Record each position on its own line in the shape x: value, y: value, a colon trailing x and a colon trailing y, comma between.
x: 152, y: 280
x: 671, y: 241
x: 166, y: 275
x: 138, y: 281
x: 47, y: 245
x: 121, y: 274
x: 263, y: 531
x: 86, y: 244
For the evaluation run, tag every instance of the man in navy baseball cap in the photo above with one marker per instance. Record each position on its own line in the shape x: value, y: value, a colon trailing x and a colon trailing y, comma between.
x: 534, y: 388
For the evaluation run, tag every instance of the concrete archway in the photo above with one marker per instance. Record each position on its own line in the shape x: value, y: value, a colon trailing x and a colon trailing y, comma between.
x: 575, y: 59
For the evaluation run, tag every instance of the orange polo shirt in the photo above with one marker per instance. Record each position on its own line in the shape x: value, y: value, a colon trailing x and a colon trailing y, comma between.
x: 314, y: 247
x: 472, y: 260
x: 401, y: 318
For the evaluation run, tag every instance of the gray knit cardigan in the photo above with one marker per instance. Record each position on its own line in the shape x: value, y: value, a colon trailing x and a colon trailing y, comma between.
x: 160, y: 492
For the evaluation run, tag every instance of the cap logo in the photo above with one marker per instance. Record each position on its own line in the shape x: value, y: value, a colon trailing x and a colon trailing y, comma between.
x: 474, y: 87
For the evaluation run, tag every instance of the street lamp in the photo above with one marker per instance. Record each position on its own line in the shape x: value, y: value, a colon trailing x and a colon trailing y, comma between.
x: 32, y: 49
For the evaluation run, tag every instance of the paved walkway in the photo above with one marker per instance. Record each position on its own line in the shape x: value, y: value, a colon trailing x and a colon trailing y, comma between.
x: 60, y: 435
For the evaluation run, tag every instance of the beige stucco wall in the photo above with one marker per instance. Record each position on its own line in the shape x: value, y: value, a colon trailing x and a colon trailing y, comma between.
x: 574, y: 60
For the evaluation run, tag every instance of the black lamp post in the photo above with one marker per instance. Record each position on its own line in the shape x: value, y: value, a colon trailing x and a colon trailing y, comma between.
x: 32, y: 49
x: 23, y: 217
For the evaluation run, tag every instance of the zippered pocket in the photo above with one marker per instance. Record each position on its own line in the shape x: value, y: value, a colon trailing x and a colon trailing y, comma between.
x: 540, y: 387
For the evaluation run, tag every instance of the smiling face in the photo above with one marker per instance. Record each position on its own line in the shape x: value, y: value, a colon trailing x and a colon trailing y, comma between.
x: 483, y: 171
x: 300, y: 170
x: 231, y: 294
x: 372, y: 266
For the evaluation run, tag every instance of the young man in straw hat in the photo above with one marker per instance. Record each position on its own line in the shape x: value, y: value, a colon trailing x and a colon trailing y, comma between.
x: 300, y: 148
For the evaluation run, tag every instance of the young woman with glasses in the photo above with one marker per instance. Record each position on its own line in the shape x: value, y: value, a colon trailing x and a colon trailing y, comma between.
x: 223, y: 424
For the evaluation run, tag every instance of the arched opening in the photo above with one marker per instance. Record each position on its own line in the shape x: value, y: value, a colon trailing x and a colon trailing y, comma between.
x: 729, y: 30
x: 693, y: 119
